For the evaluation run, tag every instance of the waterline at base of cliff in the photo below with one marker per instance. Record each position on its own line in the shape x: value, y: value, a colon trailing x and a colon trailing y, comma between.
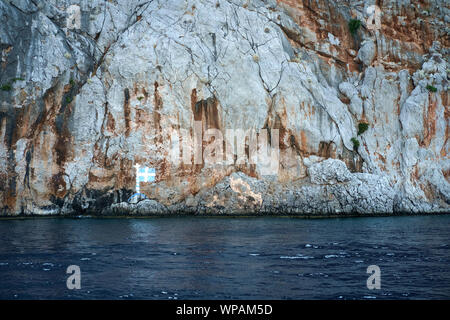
x: 327, y: 192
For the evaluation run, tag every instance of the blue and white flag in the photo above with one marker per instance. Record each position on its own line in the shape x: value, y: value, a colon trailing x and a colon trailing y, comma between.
x: 146, y: 174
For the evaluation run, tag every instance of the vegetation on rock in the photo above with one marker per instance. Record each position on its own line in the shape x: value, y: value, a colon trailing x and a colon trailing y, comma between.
x: 431, y: 88
x: 362, y: 127
x: 355, y: 142
x: 6, y: 87
x: 354, y: 25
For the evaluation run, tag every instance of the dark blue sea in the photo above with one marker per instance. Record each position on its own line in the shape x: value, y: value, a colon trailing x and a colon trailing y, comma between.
x: 226, y: 258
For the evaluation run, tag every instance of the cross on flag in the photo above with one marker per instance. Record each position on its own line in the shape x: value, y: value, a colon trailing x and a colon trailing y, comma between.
x: 144, y: 174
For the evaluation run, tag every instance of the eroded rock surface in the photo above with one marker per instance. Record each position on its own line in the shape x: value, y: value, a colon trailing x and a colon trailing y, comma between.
x: 90, y: 88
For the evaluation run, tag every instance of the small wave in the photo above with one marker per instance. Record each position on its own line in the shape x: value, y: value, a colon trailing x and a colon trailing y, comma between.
x: 85, y: 259
x: 297, y: 257
x: 316, y: 274
x: 328, y: 256
x: 369, y: 297
x: 254, y: 254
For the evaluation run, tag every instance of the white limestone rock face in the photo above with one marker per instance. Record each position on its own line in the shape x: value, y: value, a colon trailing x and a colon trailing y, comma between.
x: 329, y: 171
x: 356, y: 103
x: 367, y: 52
x: 81, y: 105
x: 142, y: 208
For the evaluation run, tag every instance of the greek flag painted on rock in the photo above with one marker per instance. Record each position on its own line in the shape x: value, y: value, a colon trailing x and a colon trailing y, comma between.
x: 144, y: 174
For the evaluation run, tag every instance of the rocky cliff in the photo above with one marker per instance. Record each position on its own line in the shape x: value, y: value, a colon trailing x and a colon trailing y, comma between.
x: 356, y: 91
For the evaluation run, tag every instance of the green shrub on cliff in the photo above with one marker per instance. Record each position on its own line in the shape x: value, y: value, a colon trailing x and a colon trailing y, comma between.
x: 362, y: 127
x: 431, y: 88
x: 354, y: 25
x: 6, y: 87
x: 355, y: 143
